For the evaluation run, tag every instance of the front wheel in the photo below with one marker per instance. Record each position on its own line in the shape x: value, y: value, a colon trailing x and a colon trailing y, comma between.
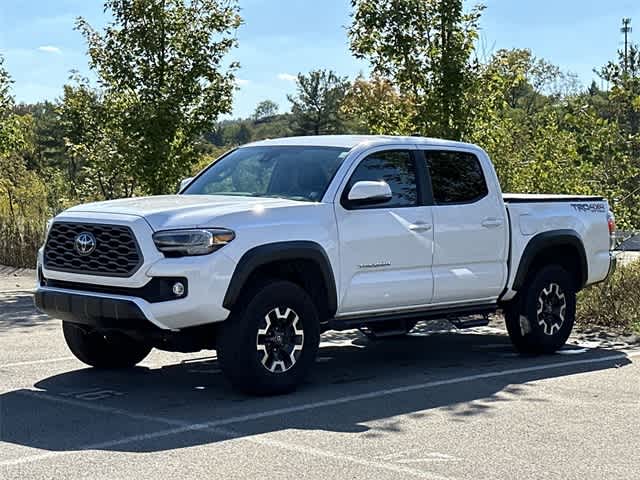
x: 100, y: 350
x: 541, y: 317
x: 270, y: 341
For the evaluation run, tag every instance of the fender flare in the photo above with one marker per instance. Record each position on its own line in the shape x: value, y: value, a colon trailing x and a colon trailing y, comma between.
x: 282, y: 251
x: 544, y: 241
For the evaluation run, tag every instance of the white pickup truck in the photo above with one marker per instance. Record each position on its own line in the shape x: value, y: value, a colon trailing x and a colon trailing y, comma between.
x: 280, y: 240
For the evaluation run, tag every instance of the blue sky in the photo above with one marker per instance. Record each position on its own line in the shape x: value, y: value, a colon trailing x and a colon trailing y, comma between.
x: 283, y: 37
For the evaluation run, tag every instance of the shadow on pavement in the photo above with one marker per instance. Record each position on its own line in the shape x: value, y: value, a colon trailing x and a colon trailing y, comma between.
x: 17, y: 312
x: 468, y: 375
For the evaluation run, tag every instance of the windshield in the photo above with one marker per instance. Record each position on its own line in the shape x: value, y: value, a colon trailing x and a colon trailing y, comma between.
x: 298, y: 173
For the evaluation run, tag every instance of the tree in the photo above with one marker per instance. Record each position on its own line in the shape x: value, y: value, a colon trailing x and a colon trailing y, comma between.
x: 6, y: 101
x: 23, y: 195
x: 265, y: 109
x: 48, y: 138
x: 376, y: 106
x: 161, y: 66
x: 315, y: 108
x: 423, y: 48
x: 99, y: 146
x: 242, y: 134
x: 623, y: 77
x: 16, y: 135
x: 273, y: 127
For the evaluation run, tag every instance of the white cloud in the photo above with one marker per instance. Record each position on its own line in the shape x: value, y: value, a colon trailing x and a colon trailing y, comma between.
x: 287, y: 77
x: 49, y: 49
x: 241, y: 82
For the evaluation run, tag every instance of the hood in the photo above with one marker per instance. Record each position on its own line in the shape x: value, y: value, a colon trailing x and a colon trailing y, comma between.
x: 183, y: 211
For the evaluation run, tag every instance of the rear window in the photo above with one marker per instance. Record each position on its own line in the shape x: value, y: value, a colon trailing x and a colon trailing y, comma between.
x: 456, y: 177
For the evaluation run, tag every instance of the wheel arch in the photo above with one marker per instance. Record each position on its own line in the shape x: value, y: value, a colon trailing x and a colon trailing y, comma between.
x: 563, y: 247
x: 273, y: 257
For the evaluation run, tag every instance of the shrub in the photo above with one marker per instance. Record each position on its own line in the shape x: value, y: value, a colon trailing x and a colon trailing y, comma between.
x: 23, y: 212
x: 614, y: 303
x: 19, y: 242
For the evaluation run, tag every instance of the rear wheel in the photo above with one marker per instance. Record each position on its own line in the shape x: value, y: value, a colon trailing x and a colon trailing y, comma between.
x: 540, y: 319
x: 270, y: 341
x: 103, y: 350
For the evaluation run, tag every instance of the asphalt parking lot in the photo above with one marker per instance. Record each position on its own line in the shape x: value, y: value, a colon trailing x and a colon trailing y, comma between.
x: 431, y: 405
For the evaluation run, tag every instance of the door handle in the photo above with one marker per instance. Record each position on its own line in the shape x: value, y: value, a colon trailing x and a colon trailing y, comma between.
x: 491, y: 223
x: 420, y: 227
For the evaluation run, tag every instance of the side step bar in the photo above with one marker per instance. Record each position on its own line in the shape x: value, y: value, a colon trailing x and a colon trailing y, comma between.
x: 454, y: 314
x: 466, y: 322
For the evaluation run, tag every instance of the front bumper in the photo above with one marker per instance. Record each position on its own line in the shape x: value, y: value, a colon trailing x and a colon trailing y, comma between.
x: 98, y: 312
x: 207, y: 279
x: 147, y: 292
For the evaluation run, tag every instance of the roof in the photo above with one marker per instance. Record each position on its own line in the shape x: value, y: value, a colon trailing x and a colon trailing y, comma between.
x: 351, y: 141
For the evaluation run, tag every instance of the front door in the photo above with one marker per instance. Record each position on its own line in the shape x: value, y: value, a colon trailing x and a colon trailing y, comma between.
x: 386, y: 249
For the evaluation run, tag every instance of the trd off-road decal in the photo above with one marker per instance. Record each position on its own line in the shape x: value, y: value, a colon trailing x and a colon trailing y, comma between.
x: 588, y: 207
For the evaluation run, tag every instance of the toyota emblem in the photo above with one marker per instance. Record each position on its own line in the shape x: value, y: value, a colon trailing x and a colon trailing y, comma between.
x: 85, y: 243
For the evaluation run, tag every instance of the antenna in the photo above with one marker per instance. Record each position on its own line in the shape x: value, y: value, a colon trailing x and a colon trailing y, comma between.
x: 626, y: 29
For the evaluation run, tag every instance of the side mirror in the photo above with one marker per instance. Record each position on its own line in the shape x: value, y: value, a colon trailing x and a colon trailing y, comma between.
x: 369, y: 193
x: 184, y: 183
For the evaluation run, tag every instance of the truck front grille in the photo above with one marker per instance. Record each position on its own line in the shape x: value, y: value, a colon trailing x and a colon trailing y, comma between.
x: 115, y: 252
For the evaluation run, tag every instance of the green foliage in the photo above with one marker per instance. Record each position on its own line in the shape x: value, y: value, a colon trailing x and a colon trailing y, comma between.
x: 230, y: 133
x: 315, y: 108
x: 272, y: 127
x: 623, y: 76
x: 614, y: 303
x: 543, y: 137
x: 23, y: 194
x: 265, y: 109
x: 48, y: 135
x: 377, y: 107
x: 99, y: 147
x: 162, y: 72
x: 208, y: 159
x: 164, y: 78
x: 423, y: 48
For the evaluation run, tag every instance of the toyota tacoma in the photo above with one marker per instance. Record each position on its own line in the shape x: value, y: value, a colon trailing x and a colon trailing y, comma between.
x: 280, y: 240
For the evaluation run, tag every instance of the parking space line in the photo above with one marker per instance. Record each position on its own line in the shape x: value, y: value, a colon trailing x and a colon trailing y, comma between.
x: 181, y: 427
x: 214, y: 425
x: 317, y: 452
x: 410, y: 388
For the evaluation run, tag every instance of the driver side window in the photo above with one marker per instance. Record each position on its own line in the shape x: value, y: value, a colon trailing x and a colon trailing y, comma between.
x: 395, y: 167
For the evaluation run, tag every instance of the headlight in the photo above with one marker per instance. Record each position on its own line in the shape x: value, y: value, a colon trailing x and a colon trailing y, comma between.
x: 199, y: 241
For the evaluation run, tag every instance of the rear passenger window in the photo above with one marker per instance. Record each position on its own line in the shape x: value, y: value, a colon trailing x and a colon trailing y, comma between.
x: 398, y: 169
x: 456, y: 177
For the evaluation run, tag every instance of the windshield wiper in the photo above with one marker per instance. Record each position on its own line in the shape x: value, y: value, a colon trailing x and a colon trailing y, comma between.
x: 284, y: 197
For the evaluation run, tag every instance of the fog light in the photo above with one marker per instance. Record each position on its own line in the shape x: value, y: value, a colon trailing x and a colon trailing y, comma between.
x: 178, y: 289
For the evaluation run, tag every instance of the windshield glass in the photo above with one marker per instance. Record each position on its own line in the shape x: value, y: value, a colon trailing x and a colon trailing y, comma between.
x: 298, y: 173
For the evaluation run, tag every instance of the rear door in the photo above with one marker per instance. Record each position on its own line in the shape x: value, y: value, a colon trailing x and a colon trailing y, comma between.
x: 386, y: 249
x: 470, y: 227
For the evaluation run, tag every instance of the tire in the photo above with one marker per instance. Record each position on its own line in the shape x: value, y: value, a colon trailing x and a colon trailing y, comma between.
x: 540, y: 319
x: 270, y: 341
x: 103, y: 351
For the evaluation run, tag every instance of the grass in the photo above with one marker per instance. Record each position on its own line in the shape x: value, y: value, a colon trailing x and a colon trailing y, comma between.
x: 19, y: 243
x: 615, y: 303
